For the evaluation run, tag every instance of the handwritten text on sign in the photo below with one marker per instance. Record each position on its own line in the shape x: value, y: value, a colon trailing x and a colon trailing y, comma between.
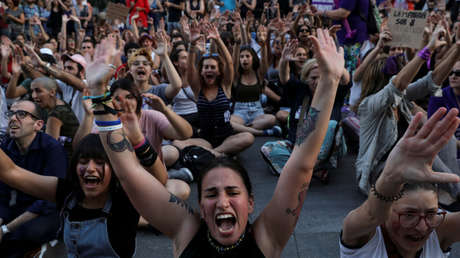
x: 407, y: 27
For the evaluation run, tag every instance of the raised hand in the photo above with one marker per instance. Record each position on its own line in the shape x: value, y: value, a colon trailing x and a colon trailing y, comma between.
x: 87, y: 103
x: 412, y: 157
x: 436, y: 39
x: 384, y: 37
x: 154, y: 102
x: 98, y: 72
x: 5, y: 51
x: 330, y: 61
x: 289, y: 50
x: 16, y: 64
x: 195, y: 32
x: 162, y: 46
x: 211, y: 31
x: 262, y: 31
x: 130, y: 121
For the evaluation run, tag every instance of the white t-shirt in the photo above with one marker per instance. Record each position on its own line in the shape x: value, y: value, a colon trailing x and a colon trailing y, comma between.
x: 183, y: 102
x: 73, y: 97
x: 375, y: 248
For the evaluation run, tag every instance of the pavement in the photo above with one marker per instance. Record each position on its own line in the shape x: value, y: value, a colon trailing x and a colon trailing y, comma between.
x: 318, y: 228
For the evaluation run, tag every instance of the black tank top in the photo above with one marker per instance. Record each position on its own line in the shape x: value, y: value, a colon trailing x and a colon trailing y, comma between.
x: 200, y: 246
x: 247, y: 93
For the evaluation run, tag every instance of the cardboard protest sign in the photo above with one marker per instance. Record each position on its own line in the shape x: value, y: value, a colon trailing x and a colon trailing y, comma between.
x: 117, y: 11
x: 323, y: 5
x: 407, y: 27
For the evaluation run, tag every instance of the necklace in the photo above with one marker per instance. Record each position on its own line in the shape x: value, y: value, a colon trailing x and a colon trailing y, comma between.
x: 223, y: 249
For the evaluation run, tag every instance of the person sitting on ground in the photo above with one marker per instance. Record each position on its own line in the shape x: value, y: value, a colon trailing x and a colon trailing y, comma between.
x: 401, y: 217
x: 248, y: 114
x: 212, y: 89
x: 224, y: 191
x: 27, y: 221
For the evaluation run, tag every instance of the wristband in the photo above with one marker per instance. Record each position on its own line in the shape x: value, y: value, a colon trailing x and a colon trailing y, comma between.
x: 424, y: 54
x: 109, y: 128
x: 5, y: 230
x: 386, y: 198
x: 97, y: 97
x: 107, y: 123
x: 146, y: 154
x: 140, y: 144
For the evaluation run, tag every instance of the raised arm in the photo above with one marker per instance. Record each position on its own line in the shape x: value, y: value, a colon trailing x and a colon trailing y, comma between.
x: 287, y: 55
x: 409, y: 161
x: 86, y: 124
x: 175, y: 82
x: 161, y: 209
x: 264, y: 43
x: 407, y: 74
x: 42, y: 187
x: 385, y: 36
x: 441, y: 72
x: 229, y: 74
x: 193, y: 75
x: 13, y: 90
x: 278, y: 220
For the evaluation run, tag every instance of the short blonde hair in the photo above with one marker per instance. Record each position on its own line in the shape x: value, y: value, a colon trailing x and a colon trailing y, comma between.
x: 141, y: 52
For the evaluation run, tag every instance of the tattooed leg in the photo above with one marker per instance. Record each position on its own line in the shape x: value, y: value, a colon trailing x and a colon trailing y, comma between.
x: 120, y: 146
x: 181, y: 203
x: 308, y: 125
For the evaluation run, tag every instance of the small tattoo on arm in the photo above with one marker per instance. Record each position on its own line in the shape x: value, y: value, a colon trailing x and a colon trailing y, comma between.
x: 181, y: 203
x: 308, y: 125
x: 300, y: 197
x: 119, y: 146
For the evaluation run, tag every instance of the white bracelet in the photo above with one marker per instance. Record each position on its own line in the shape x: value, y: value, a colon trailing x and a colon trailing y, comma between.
x: 109, y: 128
x: 5, y: 230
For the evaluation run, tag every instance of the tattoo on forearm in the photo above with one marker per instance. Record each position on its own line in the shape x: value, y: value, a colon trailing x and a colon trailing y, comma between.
x: 119, y: 146
x: 308, y: 125
x: 181, y: 203
x: 300, y: 197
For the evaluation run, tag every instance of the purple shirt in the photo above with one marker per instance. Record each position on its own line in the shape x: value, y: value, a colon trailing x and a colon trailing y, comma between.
x: 449, y: 101
x: 354, y: 19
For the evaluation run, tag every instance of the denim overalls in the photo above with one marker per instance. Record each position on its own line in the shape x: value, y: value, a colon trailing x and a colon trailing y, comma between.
x: 87, y: 238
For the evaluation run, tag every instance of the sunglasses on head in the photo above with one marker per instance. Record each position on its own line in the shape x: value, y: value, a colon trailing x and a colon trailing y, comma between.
x: 456, y: 72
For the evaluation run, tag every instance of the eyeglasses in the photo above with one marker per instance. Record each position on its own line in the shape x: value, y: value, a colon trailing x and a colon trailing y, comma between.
x: 304, y: 30
x: 456, y: 72
x: 211, y: 54
x: 411, y: 220
x: 20, y: 114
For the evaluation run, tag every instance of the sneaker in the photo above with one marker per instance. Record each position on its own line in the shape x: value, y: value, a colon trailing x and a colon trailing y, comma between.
x: 275, y: 131
x: 183, y: 174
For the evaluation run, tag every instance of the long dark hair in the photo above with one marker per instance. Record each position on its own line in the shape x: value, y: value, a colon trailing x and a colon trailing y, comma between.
x: 220, y: 64
x: 128, y: 85
x: 255, y: 59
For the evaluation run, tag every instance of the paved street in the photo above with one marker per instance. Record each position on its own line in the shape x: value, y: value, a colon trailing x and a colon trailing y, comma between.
x: 318, y: 228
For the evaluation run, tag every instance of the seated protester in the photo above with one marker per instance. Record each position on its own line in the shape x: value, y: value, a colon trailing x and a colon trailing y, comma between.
x: 277, y: 153
x: 248, y: 114
x: 61, y: 122
x: 401, y: 217
x: 274, y: 91
x: 450, y: 94
x: 289, y: 74
x: 27, y: 222
x: 211, y: 86
x: 224, y: 190
x: 20, y: 68
x: 184, y: 103
x: 97, y: 218
x: 140, y: 67
x: 385, y: 111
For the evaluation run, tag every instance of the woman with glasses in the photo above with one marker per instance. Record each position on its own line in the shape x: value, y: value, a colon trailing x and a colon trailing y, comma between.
x: 61, y: 122
x: 401, y: 217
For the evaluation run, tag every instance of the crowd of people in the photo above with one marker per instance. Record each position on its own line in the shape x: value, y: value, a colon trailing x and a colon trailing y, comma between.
x: 99, y: 117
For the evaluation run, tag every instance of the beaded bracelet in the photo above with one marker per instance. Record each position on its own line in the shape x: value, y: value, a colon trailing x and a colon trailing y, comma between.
x: 386, y: 198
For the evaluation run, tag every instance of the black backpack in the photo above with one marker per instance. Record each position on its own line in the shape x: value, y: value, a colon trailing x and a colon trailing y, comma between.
x: 371, y: 22
x: 196, y: 159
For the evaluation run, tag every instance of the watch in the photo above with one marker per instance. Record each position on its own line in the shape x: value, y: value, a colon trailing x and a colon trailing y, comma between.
x: 5, y: 229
